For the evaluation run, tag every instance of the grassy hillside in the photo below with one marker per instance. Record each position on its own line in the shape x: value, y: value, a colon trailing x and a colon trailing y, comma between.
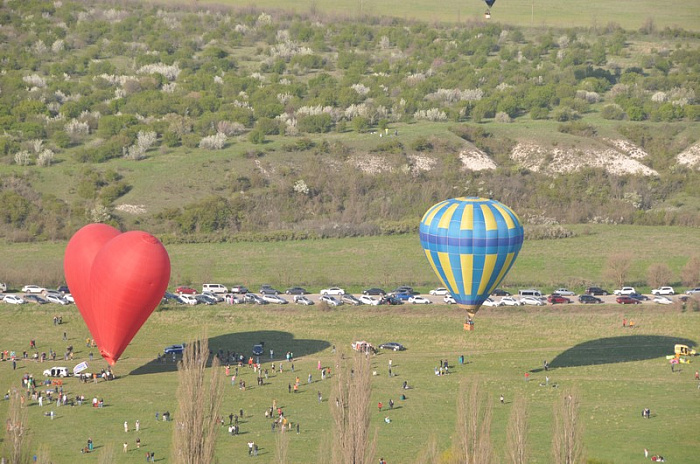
x: 212, y: 124
x: 615, y: 373
x: 630, y: 14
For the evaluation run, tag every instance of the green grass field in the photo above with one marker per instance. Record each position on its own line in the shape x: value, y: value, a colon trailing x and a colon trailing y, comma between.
x: 617, y: 372
x: 357, y: 263
x: 630, y: 14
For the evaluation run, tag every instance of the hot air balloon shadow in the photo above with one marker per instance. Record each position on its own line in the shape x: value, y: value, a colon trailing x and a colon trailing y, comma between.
x: 614, y: 350
x: 242, y: 343
x: 471, y: 244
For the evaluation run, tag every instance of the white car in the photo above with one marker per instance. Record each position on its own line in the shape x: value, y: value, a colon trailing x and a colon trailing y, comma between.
x: 69, y: 298
x: 531, y: 300
x: 625, y: 291
x: 449, y: 299
x: 331, y: 300
x: 490, y: 302
x: 302, y: 300
x: 663, y: 291
x: 439, y: 291
x: 189, y: 299
x: 660, y: 299
x: 692, y: 290
x: 274, y: 299
x: 333, y: 291
x: 509, y: 301
x: 55, y: 298
x: 564, y: 292
x: 419, y: 300
x: 368, y: 300
x: 33, y: 289
x: 13, y: 299
x: 57, y: 372
x: 3, y: 287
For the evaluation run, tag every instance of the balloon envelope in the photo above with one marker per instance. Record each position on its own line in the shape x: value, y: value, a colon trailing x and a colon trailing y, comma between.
x: 129, y: 278
x: 471, y: 244
x: 77, y: 263
x: 490, y: 2
x: 117, y: 280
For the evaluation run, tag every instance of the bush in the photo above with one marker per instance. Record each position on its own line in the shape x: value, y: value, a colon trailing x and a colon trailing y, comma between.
x: 256, y: 136
x: 315, y: 123
x: 579, y: 128
x: 613, y: 112
x: 539, y: 112
x: 421, y: 144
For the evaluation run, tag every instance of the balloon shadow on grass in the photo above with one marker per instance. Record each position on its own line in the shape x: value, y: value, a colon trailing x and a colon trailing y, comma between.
x: 617, y: 350
x: 242, y: 343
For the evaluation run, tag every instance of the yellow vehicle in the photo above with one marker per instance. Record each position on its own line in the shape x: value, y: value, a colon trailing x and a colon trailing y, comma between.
x: 682, y: 353
x: 684, y: 350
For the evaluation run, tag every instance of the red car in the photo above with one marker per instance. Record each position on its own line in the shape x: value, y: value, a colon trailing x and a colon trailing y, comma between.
x: 627, y: 300
x: 557, y: 299
x: 186, y: 290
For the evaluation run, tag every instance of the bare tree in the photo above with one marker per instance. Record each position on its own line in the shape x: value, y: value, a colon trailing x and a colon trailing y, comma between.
x: 282, y: 446
x: 106, y: 455
x: 618, y: 267
x: 516, y: 440
x: 474, y: 414
x: 350, y: 408
x: 16, y: 430
x: 659, y: 274
x: 430, y: 454
x: 567, y: 443
x: 198, y: 405
x: 43, y: 455
x: 690, y: 274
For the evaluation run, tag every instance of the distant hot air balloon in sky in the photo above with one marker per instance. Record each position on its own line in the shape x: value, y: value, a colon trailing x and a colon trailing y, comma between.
x: 488, y: 10
x: 471, y: 244
x: 117, y: 280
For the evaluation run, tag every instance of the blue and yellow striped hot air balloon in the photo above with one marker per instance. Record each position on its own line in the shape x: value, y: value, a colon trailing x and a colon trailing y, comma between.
x: 471, y: 244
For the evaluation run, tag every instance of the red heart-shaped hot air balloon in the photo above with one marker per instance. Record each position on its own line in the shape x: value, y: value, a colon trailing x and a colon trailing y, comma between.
x: 126, y: 279
x: 77, y: 263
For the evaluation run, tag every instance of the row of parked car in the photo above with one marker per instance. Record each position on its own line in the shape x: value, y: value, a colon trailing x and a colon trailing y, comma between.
x: 38, y: 295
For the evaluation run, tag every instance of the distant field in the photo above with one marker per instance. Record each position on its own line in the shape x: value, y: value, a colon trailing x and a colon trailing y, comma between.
x: 630, y: 14
x: 357, y: 263
x: 617, y: 372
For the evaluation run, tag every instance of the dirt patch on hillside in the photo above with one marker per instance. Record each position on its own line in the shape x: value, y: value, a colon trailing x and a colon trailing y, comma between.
x: 690, y: 157
x: 562, y: 160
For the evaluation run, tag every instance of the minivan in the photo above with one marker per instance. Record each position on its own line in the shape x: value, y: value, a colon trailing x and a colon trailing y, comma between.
x: 214, y: 288
x: 530, y: 292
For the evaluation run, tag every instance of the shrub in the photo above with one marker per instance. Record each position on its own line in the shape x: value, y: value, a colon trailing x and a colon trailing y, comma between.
x: 579, y: 128
x: 421, y: 144
x: 613, y: 112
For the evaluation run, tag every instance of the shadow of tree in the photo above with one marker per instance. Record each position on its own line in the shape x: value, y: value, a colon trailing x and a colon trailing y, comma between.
x: 242, y: 343
x: 617, y: 350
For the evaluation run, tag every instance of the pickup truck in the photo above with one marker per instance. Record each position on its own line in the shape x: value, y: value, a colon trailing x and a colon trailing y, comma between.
x: 625, y: 291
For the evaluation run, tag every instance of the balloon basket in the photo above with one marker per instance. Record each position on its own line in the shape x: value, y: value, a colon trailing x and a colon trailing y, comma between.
x: 487, y: 15
x: 469, y: 326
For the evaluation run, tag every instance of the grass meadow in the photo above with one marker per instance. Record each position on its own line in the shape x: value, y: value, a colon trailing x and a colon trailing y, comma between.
x: 630, y: 14
x: 616, y: 373
x: 361, y: 262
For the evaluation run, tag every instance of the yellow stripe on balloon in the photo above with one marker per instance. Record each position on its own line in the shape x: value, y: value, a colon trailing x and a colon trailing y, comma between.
x: 429, y: 255
x: 447, y: 216
x: 427, y: 219
x: 447, y: 269
x: 467, y: 218
x: 467, y: 262
x: 504, y: 269
x: 489, y: 219
x: 489, y: 264
x: 506, y: 216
